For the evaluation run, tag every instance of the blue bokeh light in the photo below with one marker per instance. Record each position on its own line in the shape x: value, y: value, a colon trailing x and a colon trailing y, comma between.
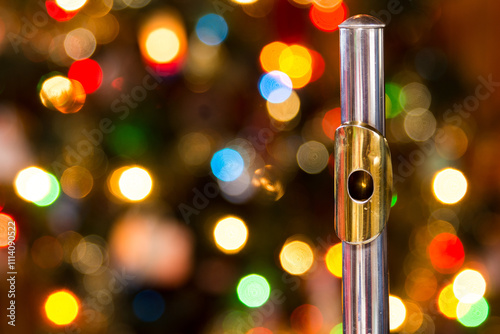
x: 275, y: 86
x: 148, y: 305
x: 227, y: 164
x: 211, y: 29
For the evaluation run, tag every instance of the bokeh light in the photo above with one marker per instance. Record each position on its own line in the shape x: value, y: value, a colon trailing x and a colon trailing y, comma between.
x: 420, y: 124
x: 77, y: 182
x: 306, y: 318
x: 89, y: 256
x: 162, y: 45
x: 472, y: 314
x: 286, y: 110
x: 449, y: 185
x: 195, y: 148
x: 330, y: 123
x: 135, y: 183
x: 32, y: 184
x: 469, y: 286
x: 337, y: 329
x: 270, y: 56
x: 227, y: 164
x: 328, y: 19
x: 415, y: 95
x: 62, y: 307
x: 333, y: 259
x: 392, y: 94
x: 244, y: 2
x: 154, y: 249
x: 57, y: 13
x: 71, y: 5
x: 296, y: 62
x: 62, y: 94
x: 88, y: 72
x: 52, y: 194
x: 148, y: 305
x: 414, y: 318
x: 296, y: 257
x: 421, y: 284
x: 447, y: 302
x: 259, y: 330
x: 80, y: 43
x: 446, y: 252
x: 8, y: 227
x: 312, y: 157
x: 163, y: 42
x: 451, y: 142
x: 397, y: 313
x: 275, y: 86
x: 253, y: 290
x: 230, y: 235
x: 212, y: 29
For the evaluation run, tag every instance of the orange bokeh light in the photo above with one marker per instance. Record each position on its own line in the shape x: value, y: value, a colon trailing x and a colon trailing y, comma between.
x: 446, y: 252
x: 328, y: 19
x: 331, y: 121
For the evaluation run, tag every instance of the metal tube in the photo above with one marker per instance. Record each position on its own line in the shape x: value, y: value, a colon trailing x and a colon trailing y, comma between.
x: 365, y: 274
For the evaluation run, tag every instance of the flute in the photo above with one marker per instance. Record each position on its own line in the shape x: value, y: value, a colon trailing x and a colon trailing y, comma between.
x: 363, y: 177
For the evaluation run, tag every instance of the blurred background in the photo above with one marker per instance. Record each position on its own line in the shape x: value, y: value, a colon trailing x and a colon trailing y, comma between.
x: 166, y: 166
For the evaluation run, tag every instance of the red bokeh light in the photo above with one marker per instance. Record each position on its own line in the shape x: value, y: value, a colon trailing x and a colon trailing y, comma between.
x: 88, y: 73
x: 318, y: 65
x: 57, y: 13
x: 446, y: 252
x: 328, y: 20
x: 330, y: 123
x: 306, y: 319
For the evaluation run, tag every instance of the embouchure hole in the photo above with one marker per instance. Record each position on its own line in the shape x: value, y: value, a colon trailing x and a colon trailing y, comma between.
x: 360, y: 185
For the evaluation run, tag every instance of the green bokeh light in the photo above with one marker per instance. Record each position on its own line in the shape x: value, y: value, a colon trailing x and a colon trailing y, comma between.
x: 253, y: 290
x: 129, y: 140
x: 393, y: 106
x: 337, y: 329
x: 53, y: 193
x: 394, y: 199
x: 472, y: 315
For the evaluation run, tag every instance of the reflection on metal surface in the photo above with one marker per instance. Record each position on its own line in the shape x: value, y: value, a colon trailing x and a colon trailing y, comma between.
x: 359, y: 150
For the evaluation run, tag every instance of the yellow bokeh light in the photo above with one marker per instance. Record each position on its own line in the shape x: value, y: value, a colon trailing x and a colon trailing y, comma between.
x: 270, y: 56
x: 333, y: 260
x: 80, y: 43
x: 162, y: 45
x: 32, y: 184
x: 397, y: 313
x: 295, y: 61
x: 449, y: 185
x: 135, y: 183
x: 244, y: 2
x: 469, y: 286
x: 76, y: 182
x: 286, y: 110
x: 71, y: 5
x: 296, y: 257
x: 447, y: 302
x: 61, y: 307
x: 230, y: 235
x: 62, y: 94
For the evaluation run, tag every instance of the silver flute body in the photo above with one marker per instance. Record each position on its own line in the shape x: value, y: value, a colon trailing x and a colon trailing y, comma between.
x: 363, y: 177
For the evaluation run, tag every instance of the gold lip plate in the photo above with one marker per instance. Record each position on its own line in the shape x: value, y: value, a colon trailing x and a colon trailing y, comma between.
x: 360, y: 147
